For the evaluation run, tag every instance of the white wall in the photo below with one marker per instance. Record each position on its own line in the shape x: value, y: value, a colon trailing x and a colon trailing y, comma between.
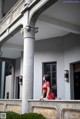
x: 17, y: 67
x: 71, y: 54
x: 8, y: 86
x: 63, y: 50
x: 50, y: 50
x: 21, y: 64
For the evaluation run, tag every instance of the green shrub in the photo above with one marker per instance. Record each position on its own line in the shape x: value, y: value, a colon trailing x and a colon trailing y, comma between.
x: 13, y: 115
x: 32, y: 116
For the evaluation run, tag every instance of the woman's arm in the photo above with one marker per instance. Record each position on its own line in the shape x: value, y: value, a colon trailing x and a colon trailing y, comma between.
x: 47, y: 94
x: 48, y: 90
x: 42, y: 97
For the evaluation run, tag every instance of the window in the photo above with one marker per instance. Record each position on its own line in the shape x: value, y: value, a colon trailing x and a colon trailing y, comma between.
x: 50, y: 68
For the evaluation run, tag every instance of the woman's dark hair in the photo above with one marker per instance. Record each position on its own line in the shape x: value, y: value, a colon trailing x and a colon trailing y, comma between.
x: 47, y: 77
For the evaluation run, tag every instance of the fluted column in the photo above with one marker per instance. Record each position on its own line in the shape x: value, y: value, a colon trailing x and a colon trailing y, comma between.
x: 28, y: 66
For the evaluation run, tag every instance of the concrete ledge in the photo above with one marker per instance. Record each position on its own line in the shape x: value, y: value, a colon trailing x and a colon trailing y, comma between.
x: 58, y: 109
x: 10, y: 105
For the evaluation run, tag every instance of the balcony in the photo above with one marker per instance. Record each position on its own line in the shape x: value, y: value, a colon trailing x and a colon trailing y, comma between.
x: 58, y: 109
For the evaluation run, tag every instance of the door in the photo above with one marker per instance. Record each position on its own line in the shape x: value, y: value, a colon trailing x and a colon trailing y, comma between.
x: 77, y: 85
x: 17, y: 88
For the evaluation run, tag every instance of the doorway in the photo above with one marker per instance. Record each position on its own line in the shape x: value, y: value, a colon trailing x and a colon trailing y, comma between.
x: 17, y: 88
x: 77, y: 85
x: 76, y: 77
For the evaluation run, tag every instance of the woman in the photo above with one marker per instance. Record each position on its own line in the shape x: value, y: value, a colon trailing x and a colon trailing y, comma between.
x: 47, y: 92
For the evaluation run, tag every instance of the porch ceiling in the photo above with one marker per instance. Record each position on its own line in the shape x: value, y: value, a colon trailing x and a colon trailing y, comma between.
x: 58, y: 20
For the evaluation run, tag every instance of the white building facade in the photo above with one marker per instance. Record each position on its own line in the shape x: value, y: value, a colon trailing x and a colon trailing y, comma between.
x: 30, y: 59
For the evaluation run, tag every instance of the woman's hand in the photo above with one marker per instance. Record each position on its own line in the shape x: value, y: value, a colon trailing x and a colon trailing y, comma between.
x: 43, y: 99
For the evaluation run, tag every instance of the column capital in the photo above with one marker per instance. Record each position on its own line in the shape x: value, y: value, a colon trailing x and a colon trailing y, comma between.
x: 28, y: 28
x: 29, y: 31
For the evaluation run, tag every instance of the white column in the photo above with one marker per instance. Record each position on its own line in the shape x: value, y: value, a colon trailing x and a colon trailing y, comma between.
x: 28, y: 67
x: 1, y: 6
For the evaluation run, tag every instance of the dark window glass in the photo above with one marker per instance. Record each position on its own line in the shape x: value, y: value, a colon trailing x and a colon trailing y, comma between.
x: 53, y: 75
x: 53, y: 67
x: 50, y: 68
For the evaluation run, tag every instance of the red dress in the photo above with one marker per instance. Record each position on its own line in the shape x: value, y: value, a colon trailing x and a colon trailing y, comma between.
x: 51, y: 94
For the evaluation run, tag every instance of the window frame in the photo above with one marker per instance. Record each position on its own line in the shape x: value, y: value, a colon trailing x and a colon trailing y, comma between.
x: 43, y: 72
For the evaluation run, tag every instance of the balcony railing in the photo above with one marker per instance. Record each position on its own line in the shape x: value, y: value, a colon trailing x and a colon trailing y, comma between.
x: 12, y: 16
x: 10, y: 105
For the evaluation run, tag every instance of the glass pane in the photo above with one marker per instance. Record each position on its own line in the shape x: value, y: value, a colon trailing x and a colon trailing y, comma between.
x: 53, y: 74
x: 53, y: 82
x: 47, y: 68
x: 53, y: 67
